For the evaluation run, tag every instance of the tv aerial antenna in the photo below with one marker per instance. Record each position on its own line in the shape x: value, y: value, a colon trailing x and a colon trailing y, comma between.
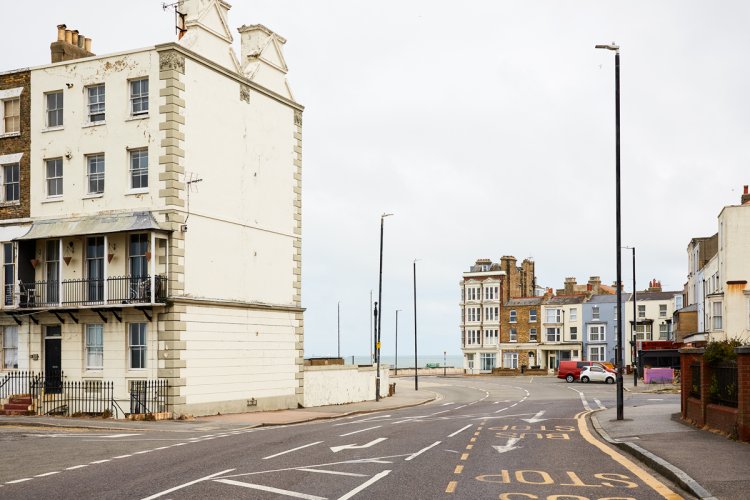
x: 191, y: 182
x: 179, y: 17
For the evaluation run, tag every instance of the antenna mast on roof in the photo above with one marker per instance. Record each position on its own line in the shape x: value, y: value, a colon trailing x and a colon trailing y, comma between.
x: 192, y: 180
x: 179, y: 17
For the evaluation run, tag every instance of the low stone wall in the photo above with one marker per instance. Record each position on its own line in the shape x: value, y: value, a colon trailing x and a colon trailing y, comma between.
x: 341, y: 384
x: 409, y: 372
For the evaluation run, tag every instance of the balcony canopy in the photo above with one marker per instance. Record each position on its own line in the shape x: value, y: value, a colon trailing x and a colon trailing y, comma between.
x: 80, y: 226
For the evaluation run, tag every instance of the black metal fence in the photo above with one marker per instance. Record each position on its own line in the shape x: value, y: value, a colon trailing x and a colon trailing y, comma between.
x: 695, y: 380
x: 89, y: 291
x: 53, y: 395
x: 724, y: 384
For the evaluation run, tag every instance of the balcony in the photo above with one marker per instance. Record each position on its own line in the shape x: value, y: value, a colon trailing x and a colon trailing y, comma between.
x: 115, y: 290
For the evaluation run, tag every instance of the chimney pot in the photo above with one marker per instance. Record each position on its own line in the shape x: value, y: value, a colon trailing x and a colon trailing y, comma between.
x: 745, y: 191
x: 87, y: 44
x: 74, y: 39
x: 68, y: 36
x: 61, y: 32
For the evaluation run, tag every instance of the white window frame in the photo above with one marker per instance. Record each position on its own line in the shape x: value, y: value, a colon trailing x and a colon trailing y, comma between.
x: 95, y: 176
x: 573, y: 314
x: 490, y: 336
x: 13, y: 184
x: 552, y: 315
x: 137, y: 170
x: 93, y: 354
x: 595, y: 313
x: 662, y: 310
x: 510, y: 360
x: 532, y: 316
x: 513, y: 335
x: 513, y: 316
x: 573, y: 333
x: 139, y: 104
x: 135, y: 348
x: 59, y: 110
x: 597, y: 353
x: 533, y: 335
x: 10, y: 348
x: 487, y: 359
x: 663, y: 331
x: 55, y: 179
x: 96, y: 103
x: 10, y: 96
x: 555, y: 334
x: 641, y: 311
x: 597, y: 333
x: 717, y: 322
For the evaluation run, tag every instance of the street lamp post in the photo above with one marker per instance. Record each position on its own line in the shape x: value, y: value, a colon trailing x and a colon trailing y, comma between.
x: 616, y: 49
x: 377, y: 354
x: 380, y: 316
x: 396, y: 364
x: 634, y: 339
x: 416, y: 368
x: 338, y: 330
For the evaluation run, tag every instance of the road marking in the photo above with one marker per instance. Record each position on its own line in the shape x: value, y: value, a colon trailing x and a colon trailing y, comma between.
x: 498, y: 411
x: 438, y: 413
x: 446, y: 404
x: 48, y: 474
x: 451, y: 487
x: 583, y: 399
x: 361, y: 430
x: 77, y: 467
x: 122, y: 456
x: 459, y: 469
x: 599, y: 404
x: 359, y: 421
x: 373, y: 479
x: 459, y: 430
x: 19, y: 480
x: 536, y: 418
x: 100, y: 461
x: 415, y: 455
x: 459, y: 407
x: 655, y: 399
x: 337, y: 449
x: 465, y: 456
x: 321, y: 471
x: 293, y: 449
x: 469, y: 446
x: 509, y: 446
x: 185, y: 485
x: 647, y: 478
x: 269, y: 489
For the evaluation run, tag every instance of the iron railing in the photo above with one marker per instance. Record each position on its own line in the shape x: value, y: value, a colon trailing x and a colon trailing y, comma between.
x: 149, y: 396
x: 78, y: 397
x: 17, y: 383
x: 724, y: 384
x: 91, y: 291
x: 695, y: 380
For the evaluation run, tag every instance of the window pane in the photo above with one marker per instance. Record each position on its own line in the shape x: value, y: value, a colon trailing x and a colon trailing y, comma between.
x: 11, y: 182
x: 55, y: 109
x: 96, y: 103
x: 54, y: 177
x: 96, y: 174
x: 139, y: 168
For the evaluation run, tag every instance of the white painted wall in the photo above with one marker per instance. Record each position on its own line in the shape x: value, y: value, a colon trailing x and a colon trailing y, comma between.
x: 341, y: 384
x: 734, y: 265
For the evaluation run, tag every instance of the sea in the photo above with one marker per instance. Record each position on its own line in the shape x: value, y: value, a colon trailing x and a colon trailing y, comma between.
x: 451, y: 360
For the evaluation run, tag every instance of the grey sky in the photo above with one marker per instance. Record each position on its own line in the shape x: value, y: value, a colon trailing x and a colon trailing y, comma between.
x: 488, y: 129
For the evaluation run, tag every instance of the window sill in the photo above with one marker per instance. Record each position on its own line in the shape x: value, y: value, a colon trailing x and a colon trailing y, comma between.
x: 92, y: 196
x: 137, y: 117
x: 14, y: 203
x: 52, y: 129
x: 137, y: 192
x: 93, y: 372
x: 56, y: 199
x: 94, y: 124
x: 10, y: 134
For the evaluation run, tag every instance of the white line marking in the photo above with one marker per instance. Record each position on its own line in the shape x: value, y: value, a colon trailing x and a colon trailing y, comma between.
x: 361, y: 430
x: 321, y: 471
x: 446, y: 404
x: 337, y: 449
x: 364, y: 485
x: 459, y: 407
x: 599, y: 403
x: 100, y: 461
x: 122, y: 456
x: 161, y: 448
x: 286, y: 493
x: 119, y: 435
x: 142, y: 452
x: 438, y: 413
x: 19, y: 480
x: 460, y: 430
x: 293, y: 449
x: 77, y: 467
x: 157, y: 495
x: 415, y: 455
x: 655, y: 399
x: 498, y: 411
x: 48, y: 474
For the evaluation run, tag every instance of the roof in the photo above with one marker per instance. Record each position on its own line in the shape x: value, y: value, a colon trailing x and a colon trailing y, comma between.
x: 608, y: 299
x: 79, y: 226
x: 565, y: 299
x: 690, y: 308
x: 640, y: 296
x: 525, y: 301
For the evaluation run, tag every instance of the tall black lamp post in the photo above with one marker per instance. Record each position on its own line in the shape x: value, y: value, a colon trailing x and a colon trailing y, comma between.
x: 396, y: 364
x: 416, y: 368
x: 616, y: 50
x: 378, y: 317
x: 634, y: 339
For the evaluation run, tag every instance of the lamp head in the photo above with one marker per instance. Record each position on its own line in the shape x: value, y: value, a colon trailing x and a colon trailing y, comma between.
x: 385, y: 215
x: 610, y: 46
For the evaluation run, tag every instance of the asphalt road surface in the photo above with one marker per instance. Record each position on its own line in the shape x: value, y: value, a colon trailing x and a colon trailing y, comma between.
x: 514, y: 438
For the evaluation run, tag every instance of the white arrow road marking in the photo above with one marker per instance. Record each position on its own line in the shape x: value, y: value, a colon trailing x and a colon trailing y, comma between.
x: 293, y: 449
x: 286, y: 493
x: 460, y: 430
x: 536, y: 418
x: 415, y: 455
x: 337, y: 449
x: 361, y: 430
x: 511, y: 445
x: 206, y: 478
x: 360, y: 420
x: 364, y: 485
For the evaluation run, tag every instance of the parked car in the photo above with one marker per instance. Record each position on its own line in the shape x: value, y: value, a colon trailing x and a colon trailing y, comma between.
x: 596, y: 373
x: 571, y: 370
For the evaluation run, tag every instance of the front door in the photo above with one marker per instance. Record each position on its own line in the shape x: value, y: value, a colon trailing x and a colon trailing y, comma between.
x: 52, y: 360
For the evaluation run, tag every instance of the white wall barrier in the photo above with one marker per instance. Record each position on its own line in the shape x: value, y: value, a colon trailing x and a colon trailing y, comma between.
x: 341, y: 384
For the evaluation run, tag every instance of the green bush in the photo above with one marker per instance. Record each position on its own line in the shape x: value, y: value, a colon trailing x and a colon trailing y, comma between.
x: 718, y: 351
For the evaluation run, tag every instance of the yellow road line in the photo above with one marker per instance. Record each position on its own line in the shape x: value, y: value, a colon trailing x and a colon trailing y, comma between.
x: 647, y: 478
x: 451, y: 487
x: 476, y: 433
x: 459, y: 469
x: 473, y: 440
x: 469, y: 446
x: 465, y: 456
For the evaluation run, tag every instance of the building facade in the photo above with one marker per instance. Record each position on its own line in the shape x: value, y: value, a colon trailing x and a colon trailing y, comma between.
x: 600, y: 327
x: 520, y: 332
x: 165, y: 210
x: 562, y: 324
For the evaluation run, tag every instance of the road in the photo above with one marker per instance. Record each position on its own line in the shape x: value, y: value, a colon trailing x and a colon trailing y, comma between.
x: 515, y: 438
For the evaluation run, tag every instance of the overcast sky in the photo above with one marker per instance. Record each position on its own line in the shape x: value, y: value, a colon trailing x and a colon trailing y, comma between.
x: 487, y: 128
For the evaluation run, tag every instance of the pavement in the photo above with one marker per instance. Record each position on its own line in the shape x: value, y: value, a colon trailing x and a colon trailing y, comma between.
x: 706, y: 464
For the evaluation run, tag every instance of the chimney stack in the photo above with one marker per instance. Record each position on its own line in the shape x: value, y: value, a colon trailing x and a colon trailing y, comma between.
x: 745, y: 196
x: 69, y: 45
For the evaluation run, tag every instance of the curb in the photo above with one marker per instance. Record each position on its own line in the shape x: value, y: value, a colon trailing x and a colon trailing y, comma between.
x: 663, y: 467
